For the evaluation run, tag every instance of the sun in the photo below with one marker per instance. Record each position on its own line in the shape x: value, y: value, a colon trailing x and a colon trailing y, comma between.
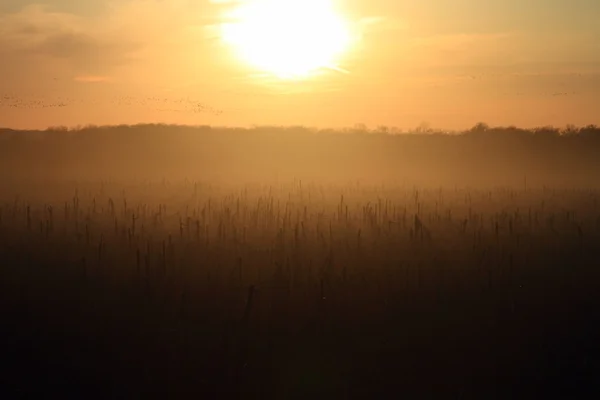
x: 288, y: 38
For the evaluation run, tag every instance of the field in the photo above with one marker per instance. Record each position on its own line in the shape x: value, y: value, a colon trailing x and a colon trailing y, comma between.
x: 430, y: 275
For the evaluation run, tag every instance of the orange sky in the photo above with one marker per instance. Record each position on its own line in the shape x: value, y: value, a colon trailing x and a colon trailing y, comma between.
x: 447, y: 63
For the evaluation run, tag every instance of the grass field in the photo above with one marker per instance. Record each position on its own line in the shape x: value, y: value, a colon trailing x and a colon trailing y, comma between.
x: 292, y: 288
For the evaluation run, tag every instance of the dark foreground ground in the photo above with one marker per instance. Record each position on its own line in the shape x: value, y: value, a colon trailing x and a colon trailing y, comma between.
x: 358, y: 306
x: 93, y: 341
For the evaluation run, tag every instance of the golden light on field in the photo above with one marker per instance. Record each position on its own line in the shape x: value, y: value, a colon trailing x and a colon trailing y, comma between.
x: 288, y: 38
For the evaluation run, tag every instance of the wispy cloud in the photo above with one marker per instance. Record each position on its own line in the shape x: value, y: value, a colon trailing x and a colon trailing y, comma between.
x: 85, y: 43
x: 92, y: 79
x: 381, y: 23
x: 137, y: 42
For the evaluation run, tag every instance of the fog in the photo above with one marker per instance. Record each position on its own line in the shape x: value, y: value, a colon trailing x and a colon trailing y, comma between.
x: 480, y: 157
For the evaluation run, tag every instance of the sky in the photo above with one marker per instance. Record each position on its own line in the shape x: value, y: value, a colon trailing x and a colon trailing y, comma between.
x: 445, y: 63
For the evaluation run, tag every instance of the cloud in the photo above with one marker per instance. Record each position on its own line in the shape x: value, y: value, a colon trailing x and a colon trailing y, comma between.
x: 85, y: 52
x: 35, y: 33
x: 92, y: 79
x: 461, y: 41
x: 465, y: 49
x: 135, y: 42
x: 68, y: 45
x: 381, y: 23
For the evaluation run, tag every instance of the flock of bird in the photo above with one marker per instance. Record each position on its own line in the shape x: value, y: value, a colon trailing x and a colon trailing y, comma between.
x: 166, y: 104
x: 14, y: 101
x: 183, y: 105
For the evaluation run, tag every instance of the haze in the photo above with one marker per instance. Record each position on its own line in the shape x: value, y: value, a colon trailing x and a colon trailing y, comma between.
x: 447, y: 63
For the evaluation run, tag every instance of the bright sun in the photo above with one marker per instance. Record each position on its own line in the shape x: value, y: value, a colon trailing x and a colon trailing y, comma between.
x: 288, y: 38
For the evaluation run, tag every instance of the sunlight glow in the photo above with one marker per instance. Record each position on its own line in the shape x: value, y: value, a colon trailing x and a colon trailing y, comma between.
x: 288, y: 38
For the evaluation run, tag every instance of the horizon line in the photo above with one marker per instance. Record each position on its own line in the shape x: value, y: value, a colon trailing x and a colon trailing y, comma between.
x: 358, y: 127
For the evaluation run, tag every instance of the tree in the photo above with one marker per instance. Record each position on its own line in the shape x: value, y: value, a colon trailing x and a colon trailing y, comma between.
x: 570, y: 130
x: 546, y: 132
x: 480, y: 127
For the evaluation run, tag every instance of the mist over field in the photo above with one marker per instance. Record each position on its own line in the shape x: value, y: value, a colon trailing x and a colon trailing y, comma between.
x: 480, y: 157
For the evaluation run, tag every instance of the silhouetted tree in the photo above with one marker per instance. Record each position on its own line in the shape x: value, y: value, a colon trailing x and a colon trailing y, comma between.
x: 480, y: 127
x: 570, y: 130
x: 546, y: 132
